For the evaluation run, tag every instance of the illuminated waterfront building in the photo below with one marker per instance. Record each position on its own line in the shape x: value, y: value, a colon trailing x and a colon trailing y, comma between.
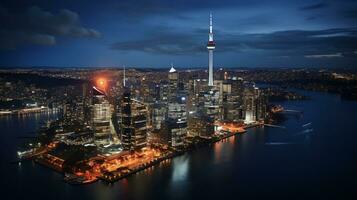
x: 232, y: 99
x: 262, y: 104
x: 249, y: 102
x: 209, y: 113
x: 201, y: 125
x: 254, y: 103
x: 104, y: 133
x: 133, y: 122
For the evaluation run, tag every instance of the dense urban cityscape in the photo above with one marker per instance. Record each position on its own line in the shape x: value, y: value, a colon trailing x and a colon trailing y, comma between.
x: 111, y: 127
x: 185, y: 130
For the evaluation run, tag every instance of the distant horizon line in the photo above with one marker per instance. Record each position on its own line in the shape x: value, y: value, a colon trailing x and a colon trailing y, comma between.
x: 168, y: 67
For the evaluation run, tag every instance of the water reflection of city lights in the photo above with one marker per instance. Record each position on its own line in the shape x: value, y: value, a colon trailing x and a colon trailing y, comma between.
x: 180, y: 169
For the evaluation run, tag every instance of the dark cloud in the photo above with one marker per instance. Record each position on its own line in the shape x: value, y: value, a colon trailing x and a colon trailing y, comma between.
x: 295, y: 42
x: 311, y: 18
x: 334, y: 55
x: 143, y: 9
x: 162, y: 42
x: 351, y: 13
x: 283, y: 43
x: 39, y: 27
x: 332, y: 39
x: 314, y: 6
x: 246, y: 32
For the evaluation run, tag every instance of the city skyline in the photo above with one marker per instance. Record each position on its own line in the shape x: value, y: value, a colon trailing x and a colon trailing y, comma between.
x: 159, y: 99
x: 249, y: 34
x: 111, y: 131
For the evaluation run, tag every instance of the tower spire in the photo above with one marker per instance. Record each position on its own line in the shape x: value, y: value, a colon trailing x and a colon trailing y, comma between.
x: 210, y: 23
x: 124, y: 77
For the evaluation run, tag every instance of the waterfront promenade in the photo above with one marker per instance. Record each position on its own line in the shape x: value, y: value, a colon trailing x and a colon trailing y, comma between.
x: 115, y: 167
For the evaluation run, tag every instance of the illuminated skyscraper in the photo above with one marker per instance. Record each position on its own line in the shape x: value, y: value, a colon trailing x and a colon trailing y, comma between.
x: 133, y: 118
x: 176, y: 116
x: 101, y: 119
x: 255, y: 103
x: 173, y: 83
x: 158, y: 115
x: 73, y: 114
x: 232, y: 92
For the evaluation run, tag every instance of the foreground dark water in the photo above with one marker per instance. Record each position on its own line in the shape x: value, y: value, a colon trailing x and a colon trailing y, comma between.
x: 264, y: 162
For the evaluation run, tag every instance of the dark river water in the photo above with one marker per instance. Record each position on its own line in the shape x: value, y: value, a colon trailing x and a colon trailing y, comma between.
x: 317, y: 161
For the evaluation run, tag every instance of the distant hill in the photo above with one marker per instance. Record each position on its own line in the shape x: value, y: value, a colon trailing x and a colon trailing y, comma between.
x: 38, y: 80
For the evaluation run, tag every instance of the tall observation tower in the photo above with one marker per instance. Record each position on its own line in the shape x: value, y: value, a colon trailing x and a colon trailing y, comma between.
x: 210, y: 46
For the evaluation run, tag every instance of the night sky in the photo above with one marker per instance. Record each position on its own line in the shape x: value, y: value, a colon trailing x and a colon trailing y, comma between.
x: 143, y: 33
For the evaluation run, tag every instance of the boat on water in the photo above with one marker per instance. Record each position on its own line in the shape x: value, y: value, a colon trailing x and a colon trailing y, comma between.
x: 307, y: 124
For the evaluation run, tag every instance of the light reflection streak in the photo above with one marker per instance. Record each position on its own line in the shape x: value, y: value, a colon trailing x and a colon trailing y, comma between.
x: 180, y: 168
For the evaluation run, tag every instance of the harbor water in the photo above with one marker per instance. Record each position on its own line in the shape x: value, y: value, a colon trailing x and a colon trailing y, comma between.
x: 312, y: 156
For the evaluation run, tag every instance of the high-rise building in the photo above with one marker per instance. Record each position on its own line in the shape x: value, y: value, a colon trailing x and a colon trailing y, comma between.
x: 156, y: 93
x: 104, y: 133
x: 254, y: 103
x: 164, y: 91
x: 232, y: 101
x: 158, y: 115
x: 73, y: 114
x: 177, y: 120
x: 249, y: 102
x: 262, y: 104
x: 173, y: 84
x: 87, y: 102
x: 133, y: 122
x: 176, y: 114
x: 195, y: 89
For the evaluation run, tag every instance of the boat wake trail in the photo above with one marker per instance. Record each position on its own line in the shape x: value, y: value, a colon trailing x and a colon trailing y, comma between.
x: 278, y: 143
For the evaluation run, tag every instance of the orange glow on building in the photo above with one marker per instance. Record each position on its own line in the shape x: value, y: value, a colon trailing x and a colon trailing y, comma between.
x: 232, y: 127
x: 101, y: 83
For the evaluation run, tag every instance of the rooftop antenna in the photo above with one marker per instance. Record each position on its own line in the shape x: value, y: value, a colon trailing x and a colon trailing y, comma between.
x: 210, y: 23
x: 124, y: 77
